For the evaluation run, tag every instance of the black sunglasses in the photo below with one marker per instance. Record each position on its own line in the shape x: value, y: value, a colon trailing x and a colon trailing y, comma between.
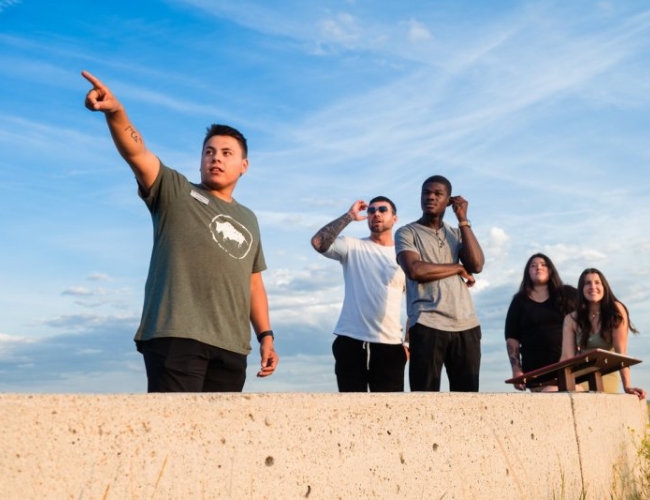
x: 383, y: 209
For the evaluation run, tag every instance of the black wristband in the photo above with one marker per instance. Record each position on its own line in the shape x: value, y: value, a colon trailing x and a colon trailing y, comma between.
x: 267, y: 333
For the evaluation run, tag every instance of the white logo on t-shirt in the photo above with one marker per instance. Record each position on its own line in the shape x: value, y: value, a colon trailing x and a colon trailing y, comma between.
x: 231, y: 236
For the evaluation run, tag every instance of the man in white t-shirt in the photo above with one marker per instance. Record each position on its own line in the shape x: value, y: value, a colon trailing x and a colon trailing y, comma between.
x: 369, y: 350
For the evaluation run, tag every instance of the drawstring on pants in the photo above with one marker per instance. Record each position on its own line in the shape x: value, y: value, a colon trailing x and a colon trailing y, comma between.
x: 366, y: 346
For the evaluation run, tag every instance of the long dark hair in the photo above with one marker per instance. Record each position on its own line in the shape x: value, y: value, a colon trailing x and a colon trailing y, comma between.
x: 562, y: 296
x: 610, y: 316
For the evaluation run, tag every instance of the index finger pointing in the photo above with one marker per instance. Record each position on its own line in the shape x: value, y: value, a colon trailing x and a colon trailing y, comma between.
x: 95, y: 81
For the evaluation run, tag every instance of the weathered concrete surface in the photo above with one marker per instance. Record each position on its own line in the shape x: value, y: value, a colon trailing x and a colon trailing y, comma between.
x: 317, y: 446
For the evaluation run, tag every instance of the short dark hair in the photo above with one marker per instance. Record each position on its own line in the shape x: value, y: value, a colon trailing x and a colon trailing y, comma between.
x: 218, y: 129
x: 440, y: 180
x: 387, y: 200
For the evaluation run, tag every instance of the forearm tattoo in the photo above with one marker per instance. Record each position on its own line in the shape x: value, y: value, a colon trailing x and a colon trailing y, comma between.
x: 513, y: 355
x: 328, y: 233
x: 134, y: 134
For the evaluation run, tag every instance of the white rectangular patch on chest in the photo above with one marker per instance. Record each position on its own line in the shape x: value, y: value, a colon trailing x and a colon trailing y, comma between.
x: 199, y: 197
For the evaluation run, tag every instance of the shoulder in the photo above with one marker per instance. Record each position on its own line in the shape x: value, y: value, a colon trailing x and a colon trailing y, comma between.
x: 247, y: 212
x: 519, y: 298
x: 569, y: 291
x: 621, y: 309
x: 570, y: 319
x: 410, y: 228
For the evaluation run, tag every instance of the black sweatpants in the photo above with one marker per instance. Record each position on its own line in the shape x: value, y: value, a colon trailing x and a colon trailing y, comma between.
x: 368, y: 365
x: 459, y: 352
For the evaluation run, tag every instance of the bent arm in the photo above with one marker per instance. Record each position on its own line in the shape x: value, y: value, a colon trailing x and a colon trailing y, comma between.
x: 326, y: 235
x: 471, y: 253
x: 127, y: 139
x: 424, y: 272
x: 259, y: 316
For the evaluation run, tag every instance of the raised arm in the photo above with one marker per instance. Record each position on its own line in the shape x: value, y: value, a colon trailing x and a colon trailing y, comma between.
x: 471, y: 253
x: 127, y: 139
x: 619, y: 339
x: 326, y: 235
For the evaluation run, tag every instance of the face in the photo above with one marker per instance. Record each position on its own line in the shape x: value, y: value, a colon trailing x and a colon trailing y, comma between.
x: 538, y: 271
x: 593, y: 288
x: 383, y: 219
x: 434, y: 198
x: 222, y: 163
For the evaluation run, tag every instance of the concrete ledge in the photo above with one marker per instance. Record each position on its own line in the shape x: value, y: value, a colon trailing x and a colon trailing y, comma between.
x: 317, y: 446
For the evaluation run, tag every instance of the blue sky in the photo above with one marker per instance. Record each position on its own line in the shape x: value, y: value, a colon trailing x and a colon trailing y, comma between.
x: 538, y: 113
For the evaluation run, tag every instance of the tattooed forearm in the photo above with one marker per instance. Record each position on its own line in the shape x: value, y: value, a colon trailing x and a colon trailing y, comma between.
x: 513, y: 355
x: 326, y: 235
x: 134, y: 134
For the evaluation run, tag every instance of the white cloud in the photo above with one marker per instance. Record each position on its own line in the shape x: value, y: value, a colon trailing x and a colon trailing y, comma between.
x: 418, y: 32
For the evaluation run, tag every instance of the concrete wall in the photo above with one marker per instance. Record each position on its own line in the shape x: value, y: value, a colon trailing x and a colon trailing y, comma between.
x: 317, y: 446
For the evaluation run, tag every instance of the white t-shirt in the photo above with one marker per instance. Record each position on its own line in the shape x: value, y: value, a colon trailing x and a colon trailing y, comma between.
x: 374, y: 287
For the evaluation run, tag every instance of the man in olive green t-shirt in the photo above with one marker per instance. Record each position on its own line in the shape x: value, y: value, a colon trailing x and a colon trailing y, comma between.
x: 204, y: 287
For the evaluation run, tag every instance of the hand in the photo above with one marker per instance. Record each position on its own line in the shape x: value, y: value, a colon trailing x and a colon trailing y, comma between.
x: 269, y: 357
x: 467, y: 277
x: 100, y: 98
x: 459, y: 206
x: 640, y: 393
x: 407, y: 351
x: 516, y: 372
x: 358, y: 206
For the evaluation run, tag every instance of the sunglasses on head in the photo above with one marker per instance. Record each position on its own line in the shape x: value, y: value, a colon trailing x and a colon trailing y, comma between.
x: 381, y: 210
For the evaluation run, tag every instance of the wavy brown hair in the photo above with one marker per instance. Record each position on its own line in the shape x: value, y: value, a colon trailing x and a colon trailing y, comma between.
x: 610, y: 316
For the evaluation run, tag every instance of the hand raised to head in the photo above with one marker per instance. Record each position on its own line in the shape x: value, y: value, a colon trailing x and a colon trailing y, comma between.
x: 100, y: 98
x: 459, y: 206
x: 358, y: 206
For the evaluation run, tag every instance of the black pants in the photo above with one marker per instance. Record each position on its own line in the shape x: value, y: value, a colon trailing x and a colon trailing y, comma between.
x: 459, y: 352
x: 186, y: 365
x: 362, y: 365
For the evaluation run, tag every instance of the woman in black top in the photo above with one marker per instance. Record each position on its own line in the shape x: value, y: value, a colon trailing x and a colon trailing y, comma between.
x: 534, y: 321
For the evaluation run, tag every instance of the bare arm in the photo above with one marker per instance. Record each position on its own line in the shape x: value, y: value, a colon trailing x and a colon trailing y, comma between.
x: 423, y: 272
x: 127, y: 139
x: 259, y: 316
x: 471, y: 253
x: 619, y: 339
x: 569, y: 328
x: 326, y: 235
x: 513, y: 346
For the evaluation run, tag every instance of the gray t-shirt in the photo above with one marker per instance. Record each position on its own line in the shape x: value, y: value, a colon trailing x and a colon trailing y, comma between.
x: 204, y: 252
x: 444, y: 304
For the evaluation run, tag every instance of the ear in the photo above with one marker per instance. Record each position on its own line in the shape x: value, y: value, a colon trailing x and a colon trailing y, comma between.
x: 244, y: 167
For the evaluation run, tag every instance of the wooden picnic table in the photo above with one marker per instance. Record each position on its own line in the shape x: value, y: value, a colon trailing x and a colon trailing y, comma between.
x: 589, y: 366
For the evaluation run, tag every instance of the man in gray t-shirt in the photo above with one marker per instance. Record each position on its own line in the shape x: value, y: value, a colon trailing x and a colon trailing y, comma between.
x: 204, y: 288
x: 439, y: 261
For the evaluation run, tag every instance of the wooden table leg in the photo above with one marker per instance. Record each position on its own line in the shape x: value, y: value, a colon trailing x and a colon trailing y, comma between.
x: 595, y: 380
x: 565, y: 380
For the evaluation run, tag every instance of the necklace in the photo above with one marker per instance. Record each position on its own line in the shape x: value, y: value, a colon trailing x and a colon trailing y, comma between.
x: 441, y: 241
x: 594, y: 315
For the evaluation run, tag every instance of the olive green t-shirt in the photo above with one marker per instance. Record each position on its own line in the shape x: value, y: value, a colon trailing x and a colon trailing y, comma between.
x: 204, y: 252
